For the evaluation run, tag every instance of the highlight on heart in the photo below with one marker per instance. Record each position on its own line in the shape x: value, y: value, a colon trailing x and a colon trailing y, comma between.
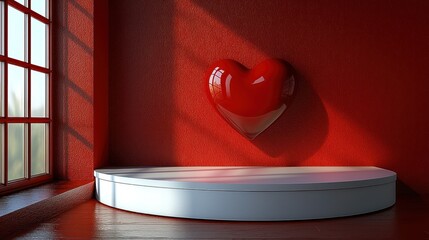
x: 250, y: 100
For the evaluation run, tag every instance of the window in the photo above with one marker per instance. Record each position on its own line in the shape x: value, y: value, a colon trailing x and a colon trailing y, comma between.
x: 25, y: 93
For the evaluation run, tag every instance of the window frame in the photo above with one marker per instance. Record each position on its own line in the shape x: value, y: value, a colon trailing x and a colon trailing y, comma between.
x: 28, y: 180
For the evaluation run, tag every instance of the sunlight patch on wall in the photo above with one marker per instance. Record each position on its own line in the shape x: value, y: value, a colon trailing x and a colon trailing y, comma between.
x: 199, y: 39
x: 348, y: 143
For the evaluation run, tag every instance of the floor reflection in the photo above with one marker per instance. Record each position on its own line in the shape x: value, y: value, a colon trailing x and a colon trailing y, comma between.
x: 408, y: 218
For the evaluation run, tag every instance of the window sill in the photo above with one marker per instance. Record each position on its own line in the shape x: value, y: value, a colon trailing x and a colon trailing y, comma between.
x: 20, y: 210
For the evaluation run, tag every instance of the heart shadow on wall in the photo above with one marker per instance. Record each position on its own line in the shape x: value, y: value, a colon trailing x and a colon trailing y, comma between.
x: 300, y: 131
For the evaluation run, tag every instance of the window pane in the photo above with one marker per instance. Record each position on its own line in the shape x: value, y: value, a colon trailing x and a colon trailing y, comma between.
x: 17, y: 82
x: 38, y: 148
x: 23, y: 2
x: 39, y: 96
x: 38, y: 43
x: 40, y: 6
x: 17, y: 34
x: 16, y: 151
x: 1, y: 89
x: 1, y: 153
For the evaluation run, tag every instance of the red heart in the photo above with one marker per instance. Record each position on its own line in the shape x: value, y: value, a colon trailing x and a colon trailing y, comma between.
x: 250, y: 100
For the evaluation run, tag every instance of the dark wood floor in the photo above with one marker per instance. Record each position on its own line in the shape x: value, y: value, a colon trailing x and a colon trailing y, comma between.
x: 408, y: 219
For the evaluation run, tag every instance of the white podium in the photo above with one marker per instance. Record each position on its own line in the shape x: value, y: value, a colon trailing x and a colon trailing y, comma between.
x: 247, y: 193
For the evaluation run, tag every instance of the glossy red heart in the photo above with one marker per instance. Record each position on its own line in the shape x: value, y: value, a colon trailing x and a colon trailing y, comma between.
x: 250, y: 100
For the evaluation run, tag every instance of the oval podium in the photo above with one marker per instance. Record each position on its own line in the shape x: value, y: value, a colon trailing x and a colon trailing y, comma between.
x: 247, y: 193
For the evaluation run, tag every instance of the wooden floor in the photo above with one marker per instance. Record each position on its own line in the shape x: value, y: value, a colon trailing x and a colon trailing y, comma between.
x: 408, y: 219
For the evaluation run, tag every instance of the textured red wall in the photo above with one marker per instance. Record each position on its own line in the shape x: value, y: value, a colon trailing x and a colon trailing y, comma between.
x: 362, y: 94
x: 73, y: 87
x: 80, y: 84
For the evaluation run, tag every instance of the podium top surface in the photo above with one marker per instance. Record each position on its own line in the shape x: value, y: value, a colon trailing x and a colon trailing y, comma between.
x: 249, y: 178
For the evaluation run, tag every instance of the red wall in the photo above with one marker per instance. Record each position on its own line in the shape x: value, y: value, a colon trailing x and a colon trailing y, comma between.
x: 101, y: 83
x: 80, y: 84
x: 362, y: 96
x: 73, y: 87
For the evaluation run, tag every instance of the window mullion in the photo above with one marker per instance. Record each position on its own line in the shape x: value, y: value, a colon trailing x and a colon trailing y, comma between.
x: 24, y: 64
x: 5, y: 106
x: 28, y: 151
x: 5, y: 160
x: 28, y: 94
x: 39, y: 17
